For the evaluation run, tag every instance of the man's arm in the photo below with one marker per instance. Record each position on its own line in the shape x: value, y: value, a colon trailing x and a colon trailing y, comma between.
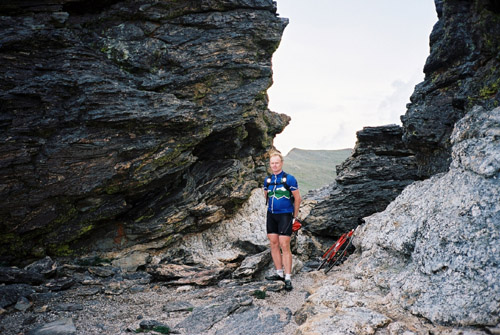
x: 296, y: 203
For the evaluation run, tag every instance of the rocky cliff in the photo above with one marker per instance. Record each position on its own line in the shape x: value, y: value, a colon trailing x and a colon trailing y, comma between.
x: 461, y: 71
x: 127, y: 123
x: 378, y: 170
x: 138, y: 153
x: 429, y: 263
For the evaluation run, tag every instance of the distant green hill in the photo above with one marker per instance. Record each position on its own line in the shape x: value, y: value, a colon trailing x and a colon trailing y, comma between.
x: 314, y: 168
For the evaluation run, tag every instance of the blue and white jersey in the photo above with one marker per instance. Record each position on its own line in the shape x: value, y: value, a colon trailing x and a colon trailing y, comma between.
x: 278, y: 196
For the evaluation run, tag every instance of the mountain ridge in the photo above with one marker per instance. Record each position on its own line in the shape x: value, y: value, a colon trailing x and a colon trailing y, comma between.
x: 314, y: 168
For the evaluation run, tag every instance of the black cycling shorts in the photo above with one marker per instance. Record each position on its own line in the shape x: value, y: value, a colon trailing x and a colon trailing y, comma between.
x: 280, y: 224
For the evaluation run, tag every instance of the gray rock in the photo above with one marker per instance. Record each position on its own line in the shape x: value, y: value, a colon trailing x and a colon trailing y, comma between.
x: 448, y: 226
x: 60, y: 284
x: 377, y: 171
x: 455, y: 81
x: 102, y: 271
x: 14, y: 275
x: 432, y: 254
x: 256, y: 320
x: 23, y: 304
x: 63, y: 326
x: 227, y: 243
x: 274, y: 286
x: 45, y: 266
x: 89, y: 291
x: 115, y: 287
x: 475, y: 143
x: 60, y: 17
x: 139, y: 278
x: 433, y: 250
x: 253, y: 264
x: 179, y: 306
x: 10, y: 294
x: 131, y: 262
x: 203, y: 318
x: 68, y: 307
x: 351, y: 320
x: 176, y: 274
x: 460, y: 72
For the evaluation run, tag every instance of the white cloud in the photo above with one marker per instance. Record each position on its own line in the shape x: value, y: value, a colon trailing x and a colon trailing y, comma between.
x: 394, y: 105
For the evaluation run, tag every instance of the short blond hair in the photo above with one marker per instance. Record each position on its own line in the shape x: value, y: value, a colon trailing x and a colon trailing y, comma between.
x: 276, y: 153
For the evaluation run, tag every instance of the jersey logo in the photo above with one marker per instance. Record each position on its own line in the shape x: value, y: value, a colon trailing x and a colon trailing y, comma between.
x: 281, y: 189
x: 279, y: 192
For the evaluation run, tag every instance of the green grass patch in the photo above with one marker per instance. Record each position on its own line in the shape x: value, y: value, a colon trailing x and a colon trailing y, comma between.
x: 259, y: 294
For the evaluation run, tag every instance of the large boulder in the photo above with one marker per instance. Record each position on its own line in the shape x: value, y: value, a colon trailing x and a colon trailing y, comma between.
x: 445, y: 230
x: 430, y: 262
x: 127, y: 122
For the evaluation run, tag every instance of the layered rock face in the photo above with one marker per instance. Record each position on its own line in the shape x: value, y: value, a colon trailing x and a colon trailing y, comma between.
x: 461, y: 71
x: 378, y: 170
x: 430, y: 262
x: 130, y: 122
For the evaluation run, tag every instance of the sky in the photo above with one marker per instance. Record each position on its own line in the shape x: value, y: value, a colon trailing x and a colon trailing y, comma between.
x: 344, y: 65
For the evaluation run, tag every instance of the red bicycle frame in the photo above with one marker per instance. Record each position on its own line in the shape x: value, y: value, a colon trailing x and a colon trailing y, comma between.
x: 332, y: 254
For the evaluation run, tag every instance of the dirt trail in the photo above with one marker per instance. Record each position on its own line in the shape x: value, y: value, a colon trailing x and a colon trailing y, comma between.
x: 120, y: 307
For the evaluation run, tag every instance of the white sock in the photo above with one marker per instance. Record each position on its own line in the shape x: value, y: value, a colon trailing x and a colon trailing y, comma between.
x: 288, y: 276
x: 279, y: 273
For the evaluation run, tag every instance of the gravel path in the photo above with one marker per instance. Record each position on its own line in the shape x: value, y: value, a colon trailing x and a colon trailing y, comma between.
x: 121, y: 307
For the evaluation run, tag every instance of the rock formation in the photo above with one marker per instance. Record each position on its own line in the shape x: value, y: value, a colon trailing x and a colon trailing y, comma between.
x: 461, y: 71
x: 127, y: 123
x: 98, y: 298
x: 377, y: 171
x: 430, y: 262
x: 127, y: 126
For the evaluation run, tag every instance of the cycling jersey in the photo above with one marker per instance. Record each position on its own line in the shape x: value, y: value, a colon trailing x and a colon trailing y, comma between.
x: 278, y: 196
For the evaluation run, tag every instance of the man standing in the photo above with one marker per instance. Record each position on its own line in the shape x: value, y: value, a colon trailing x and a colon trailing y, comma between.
x: 283, y: 200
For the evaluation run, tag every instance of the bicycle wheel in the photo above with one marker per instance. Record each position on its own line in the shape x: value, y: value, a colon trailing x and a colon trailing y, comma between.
x: 332, y: 263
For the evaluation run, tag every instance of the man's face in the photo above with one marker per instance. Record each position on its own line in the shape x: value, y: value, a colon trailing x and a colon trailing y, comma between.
x: 276, y: 164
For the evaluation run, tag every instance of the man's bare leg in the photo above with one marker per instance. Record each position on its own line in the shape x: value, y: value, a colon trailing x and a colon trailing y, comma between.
x: 274, y: 240
x: 286, y: 257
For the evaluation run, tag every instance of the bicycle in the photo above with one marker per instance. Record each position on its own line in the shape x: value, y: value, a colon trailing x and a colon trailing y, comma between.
x: 337, y: 253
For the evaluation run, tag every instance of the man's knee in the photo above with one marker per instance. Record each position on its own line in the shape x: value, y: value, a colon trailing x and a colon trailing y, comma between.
x: 284, y: 244
x: 274, y: 240
x: 275, y: 245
